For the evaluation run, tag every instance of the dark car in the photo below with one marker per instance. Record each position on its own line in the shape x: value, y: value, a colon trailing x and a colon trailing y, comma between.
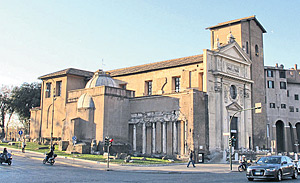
x: 272, y: 167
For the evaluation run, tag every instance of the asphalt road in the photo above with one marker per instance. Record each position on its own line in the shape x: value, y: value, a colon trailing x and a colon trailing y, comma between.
x: 27, y: 169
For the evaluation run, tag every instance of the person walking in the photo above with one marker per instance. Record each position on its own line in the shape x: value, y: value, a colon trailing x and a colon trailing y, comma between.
x: 23, y: 146
x: 191, y: 160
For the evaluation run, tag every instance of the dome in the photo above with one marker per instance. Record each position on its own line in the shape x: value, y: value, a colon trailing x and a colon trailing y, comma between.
x: 101, y: 78
x: 85, y: 101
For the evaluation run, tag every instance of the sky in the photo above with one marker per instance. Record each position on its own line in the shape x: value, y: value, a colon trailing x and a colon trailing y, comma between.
x: 40, y: 37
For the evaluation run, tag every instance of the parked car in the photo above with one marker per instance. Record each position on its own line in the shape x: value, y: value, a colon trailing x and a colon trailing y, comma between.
x: 272, y: 167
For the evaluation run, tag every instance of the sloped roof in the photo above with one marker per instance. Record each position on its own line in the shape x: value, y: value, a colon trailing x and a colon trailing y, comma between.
x: 72, y: 71
x: 223, y: 24
x: 157, y: 65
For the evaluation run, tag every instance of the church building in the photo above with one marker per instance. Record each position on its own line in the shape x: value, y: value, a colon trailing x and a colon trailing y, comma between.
x: 168, y: 107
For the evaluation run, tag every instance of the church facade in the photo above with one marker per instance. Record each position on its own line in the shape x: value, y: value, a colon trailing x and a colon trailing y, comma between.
x: 164, y: 108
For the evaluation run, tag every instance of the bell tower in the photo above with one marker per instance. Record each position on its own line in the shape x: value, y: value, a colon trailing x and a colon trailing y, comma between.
x: 248, y: 33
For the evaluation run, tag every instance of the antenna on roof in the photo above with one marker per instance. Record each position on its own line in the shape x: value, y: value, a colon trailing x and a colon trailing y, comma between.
x: 102, y: 64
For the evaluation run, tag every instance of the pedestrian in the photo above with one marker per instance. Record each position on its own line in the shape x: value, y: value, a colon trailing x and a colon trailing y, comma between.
x: 23, y: 146
x: 191, y: 160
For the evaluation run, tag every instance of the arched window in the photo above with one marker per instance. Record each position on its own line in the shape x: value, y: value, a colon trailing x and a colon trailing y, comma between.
x: 256, y: 50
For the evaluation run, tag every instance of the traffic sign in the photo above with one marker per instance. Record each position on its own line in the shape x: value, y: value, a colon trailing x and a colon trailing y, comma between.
x: 20, y: 132
x: 74, y: 138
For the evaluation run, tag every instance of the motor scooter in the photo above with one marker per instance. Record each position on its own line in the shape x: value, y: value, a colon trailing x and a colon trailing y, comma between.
x: 7, y: 159
x: 51, y: 160
x: 243, y: 166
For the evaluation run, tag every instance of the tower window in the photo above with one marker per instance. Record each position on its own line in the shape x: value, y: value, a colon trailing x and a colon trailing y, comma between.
x: 247, y: 47
x: 282, y: 85
x: 283, y: 106
x: 58, y: 88
x: 270, y: 84
x: 270, y: 73
x: 296, y: 97
x: 256, y: 50
x: 291, y: 108
x: 272, y: 105
x: 48, y: 90
x: 282, y: 74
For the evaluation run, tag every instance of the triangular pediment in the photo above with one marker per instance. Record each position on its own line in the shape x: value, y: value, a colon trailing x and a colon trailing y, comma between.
x: 235, y: 52
x: 234, y: 107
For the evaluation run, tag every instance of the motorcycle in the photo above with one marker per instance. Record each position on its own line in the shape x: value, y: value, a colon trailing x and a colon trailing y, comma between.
x: 243, y: 166
x: 51, y: 160
x: 7, y: 159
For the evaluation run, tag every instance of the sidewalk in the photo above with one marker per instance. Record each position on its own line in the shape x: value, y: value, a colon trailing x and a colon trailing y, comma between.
x: 163, y: 168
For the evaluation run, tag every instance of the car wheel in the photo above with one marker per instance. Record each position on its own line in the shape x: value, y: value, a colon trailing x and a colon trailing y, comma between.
x: 279, y: 175
x: 295, y: 174
x: 250, y: 179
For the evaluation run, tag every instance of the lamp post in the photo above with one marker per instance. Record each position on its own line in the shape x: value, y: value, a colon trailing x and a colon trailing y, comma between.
x: 230, y: 138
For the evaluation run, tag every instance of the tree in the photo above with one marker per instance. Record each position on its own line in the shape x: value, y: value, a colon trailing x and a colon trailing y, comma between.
x: 5, y: 106
x: 24, y: 98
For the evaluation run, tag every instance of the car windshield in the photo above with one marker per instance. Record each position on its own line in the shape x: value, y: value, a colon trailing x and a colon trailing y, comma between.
x: 269, y: 160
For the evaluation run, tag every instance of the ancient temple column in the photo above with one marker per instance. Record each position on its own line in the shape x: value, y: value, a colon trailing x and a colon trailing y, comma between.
x: 164, y: 137
x: 134, y: 137
x: 175, y: 137
x: 144, y: 138
x: 153, y: 137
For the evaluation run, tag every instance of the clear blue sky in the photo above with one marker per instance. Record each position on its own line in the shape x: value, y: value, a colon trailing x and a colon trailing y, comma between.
x: 39, y: 37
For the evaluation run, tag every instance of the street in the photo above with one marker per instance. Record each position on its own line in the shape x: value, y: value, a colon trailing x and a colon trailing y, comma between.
x: 27, y: 168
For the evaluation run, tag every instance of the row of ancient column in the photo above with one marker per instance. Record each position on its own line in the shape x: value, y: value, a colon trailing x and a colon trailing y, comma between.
x: 164, y: 137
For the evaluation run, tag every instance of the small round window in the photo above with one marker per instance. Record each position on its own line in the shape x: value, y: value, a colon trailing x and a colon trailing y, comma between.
x: 233, y: 92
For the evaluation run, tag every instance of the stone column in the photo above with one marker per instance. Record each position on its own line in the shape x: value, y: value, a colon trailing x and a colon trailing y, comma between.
x: 175, y: 137
x: 164, y: 138
x: 144, y: 138
x: 134, y: 137
x: 286, y: 138
x: 153, y: 137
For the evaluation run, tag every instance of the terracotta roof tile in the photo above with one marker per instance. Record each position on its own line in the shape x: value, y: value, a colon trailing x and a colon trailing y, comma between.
x: 157, y: 65
x: 238, y: 20
x: 72, y: 71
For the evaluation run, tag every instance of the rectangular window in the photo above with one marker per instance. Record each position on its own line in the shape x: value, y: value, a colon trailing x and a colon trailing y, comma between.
x: 247, y: 47
x: 176, y: 81
x: 48, y: 90
x: 282, y: 74
x: 288, y: 93
x: 123, y: 86
x: 296, y: 97
x: 297, y: 109
x: 201, y: 81
x: 291, y: 108
x: 270, y: 73
x: 58, y: 88
x: 148, y: 87
x: 282, y: 85
x: 270, y: 84
x: 283, y: 106
x: 272, y: 105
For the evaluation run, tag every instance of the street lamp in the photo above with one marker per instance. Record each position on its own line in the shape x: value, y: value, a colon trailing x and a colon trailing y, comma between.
x: 230, y: 148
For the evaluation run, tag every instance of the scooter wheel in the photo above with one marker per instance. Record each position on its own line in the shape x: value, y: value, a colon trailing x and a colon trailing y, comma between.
x: 240, y: 168
x: 9, y: 162
x: 51, y: 162
x: 44, y: 161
